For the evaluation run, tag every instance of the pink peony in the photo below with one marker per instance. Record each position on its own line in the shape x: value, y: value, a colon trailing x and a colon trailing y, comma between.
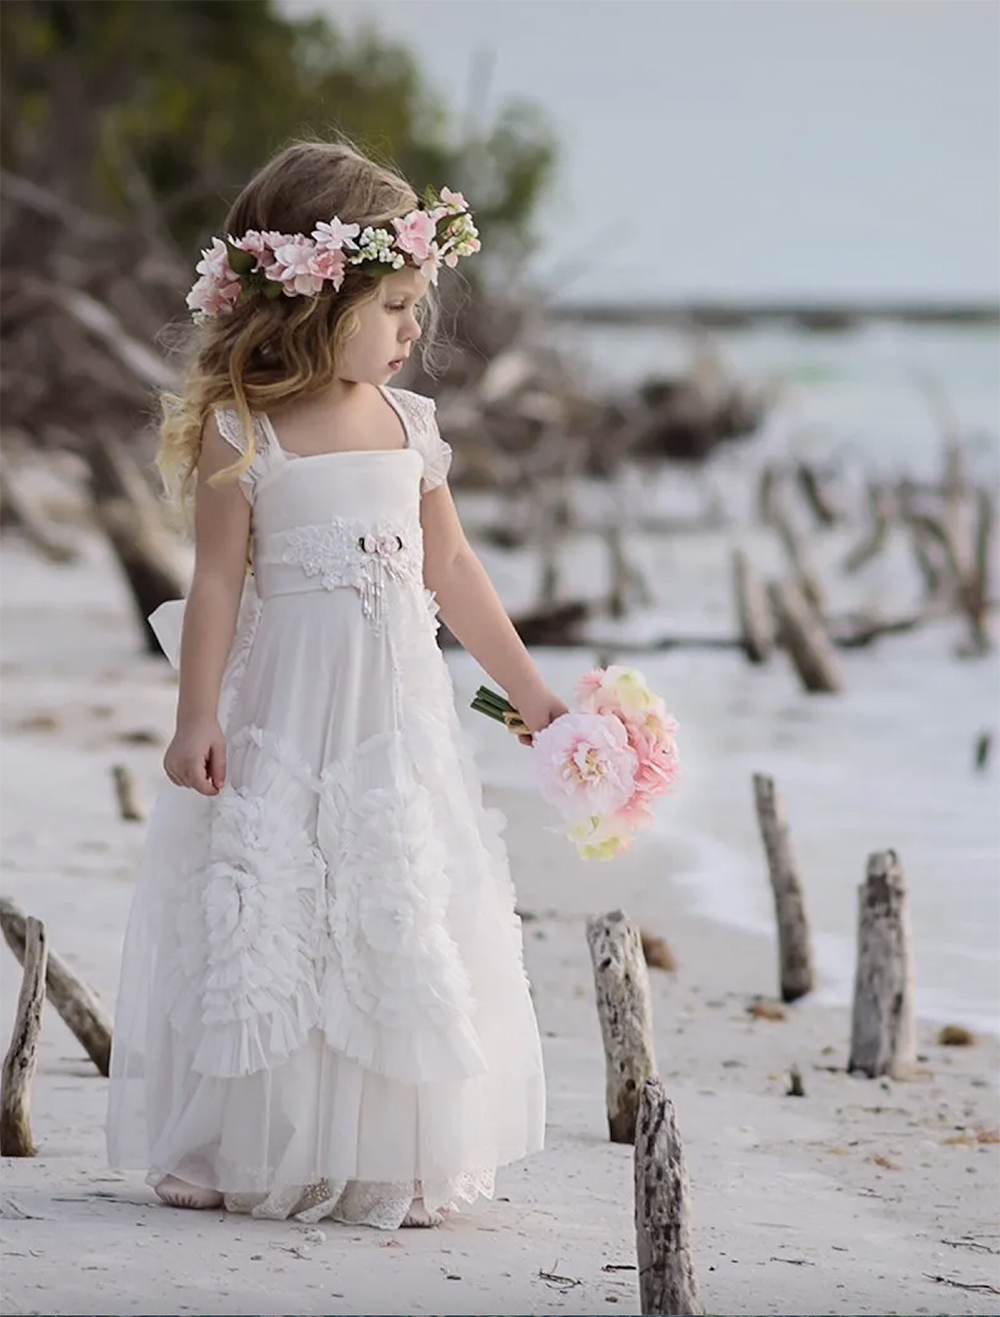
x: 635, y: 814
x: 334, y: 236
x: 293, y: 267
x: 618, y: 690
x: 415, y: 234
x: 585, y: 765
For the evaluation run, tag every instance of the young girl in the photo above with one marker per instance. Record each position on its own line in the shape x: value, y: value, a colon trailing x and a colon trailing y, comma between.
x: 323, y: 1010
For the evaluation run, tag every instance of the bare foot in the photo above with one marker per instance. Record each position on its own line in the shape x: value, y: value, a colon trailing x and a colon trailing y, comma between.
x: 421, y: 1215
x: 178, y: 1193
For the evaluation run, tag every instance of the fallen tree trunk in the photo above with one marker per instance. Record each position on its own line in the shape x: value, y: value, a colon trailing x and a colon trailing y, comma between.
x: 802, y: 635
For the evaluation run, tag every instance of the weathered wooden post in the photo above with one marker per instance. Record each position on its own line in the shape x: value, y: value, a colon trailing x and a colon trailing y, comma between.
x: 794, y: 939
x: 803, y: 635
x: 667, y: 1283
x: 624, y: 1008
x: 883, y: 1031
x: 130, y: 809
x: 753, y: 609
x: 80, y: 1010
x: 19, y: 1063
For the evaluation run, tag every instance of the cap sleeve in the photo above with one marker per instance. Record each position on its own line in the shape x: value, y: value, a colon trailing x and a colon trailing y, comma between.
x: 419, y: 415
x: 231, y: 428
x: 437, y: 454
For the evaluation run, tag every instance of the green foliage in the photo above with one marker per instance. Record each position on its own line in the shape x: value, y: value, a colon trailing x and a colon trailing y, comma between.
x: 116, y: 102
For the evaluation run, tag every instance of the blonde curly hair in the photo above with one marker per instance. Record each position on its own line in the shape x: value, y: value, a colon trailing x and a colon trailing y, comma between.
x: 265, y: 353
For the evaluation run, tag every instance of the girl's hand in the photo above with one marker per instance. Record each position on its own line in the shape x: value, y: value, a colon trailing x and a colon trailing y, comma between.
x: 196, y: 757
x: 538, y: 710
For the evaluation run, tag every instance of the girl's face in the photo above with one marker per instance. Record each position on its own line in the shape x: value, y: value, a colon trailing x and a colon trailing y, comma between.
x: 387, y: 329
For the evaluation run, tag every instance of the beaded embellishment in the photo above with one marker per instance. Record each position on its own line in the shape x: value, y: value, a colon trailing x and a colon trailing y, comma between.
x: 356, y: 553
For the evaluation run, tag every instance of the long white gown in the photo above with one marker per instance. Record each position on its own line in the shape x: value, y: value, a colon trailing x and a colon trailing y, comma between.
x: 322, y: 996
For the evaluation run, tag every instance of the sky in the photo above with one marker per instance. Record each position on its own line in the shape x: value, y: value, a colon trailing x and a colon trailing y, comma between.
x: 740, y: 148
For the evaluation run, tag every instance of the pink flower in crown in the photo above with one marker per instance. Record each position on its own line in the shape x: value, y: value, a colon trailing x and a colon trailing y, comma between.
x: 332, y: 235
x: 218, y: 288
x: 293, y: 267
x: 329, y: 264
x: 261, y: 245
x: 432, y: 264
x: 585, y: 765
x: 454, y: 201
x: 415, y: 235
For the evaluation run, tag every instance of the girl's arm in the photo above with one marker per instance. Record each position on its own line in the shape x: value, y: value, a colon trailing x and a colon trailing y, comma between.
x: 475, y: 616
x: 196, y: 757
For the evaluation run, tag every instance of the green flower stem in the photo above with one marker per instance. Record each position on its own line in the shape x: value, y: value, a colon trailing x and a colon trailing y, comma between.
x: 490, y: 710
x: 492, y: 697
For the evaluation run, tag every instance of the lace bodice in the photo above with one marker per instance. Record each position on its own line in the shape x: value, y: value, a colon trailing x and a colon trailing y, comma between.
x: 341, y: 519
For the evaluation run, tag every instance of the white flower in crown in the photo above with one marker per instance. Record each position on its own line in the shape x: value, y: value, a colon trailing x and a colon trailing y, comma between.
x: 374, y: 245
x: 335, y: 235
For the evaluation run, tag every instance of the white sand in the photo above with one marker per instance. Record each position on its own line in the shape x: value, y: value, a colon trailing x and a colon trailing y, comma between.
x: 792, y: 1213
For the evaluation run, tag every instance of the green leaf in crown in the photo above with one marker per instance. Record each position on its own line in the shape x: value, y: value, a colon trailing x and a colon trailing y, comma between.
x: 240, y: 261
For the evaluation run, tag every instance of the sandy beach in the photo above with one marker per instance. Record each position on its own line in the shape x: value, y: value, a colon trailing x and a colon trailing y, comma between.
x: 861, y: 1197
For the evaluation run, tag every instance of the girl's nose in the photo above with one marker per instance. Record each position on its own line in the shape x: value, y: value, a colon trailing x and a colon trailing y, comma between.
x: 412, y: 331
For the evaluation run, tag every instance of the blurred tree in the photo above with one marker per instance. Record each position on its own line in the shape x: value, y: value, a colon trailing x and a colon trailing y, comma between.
x: 161, y: 111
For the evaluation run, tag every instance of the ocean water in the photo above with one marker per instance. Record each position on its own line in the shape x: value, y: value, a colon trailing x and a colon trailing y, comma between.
x: 889, y: 763
x: 881, y: 394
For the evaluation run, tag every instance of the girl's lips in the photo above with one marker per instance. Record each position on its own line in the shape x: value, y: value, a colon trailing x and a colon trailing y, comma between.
x: 396, y: 363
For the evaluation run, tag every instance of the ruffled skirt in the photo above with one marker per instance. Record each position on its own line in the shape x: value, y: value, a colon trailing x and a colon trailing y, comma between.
x: 323, y: 998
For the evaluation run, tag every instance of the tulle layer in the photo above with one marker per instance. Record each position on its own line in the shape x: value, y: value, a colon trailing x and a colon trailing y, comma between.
x: 322, y: 986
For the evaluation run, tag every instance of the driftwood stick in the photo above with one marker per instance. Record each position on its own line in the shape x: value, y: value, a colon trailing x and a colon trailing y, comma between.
x: 883, y: 1031
x: 127, y: 793
x: 628, y: 584
x: 803, y: 636
x: 19, y: 1063
x: 667, y: 1283
x: 625, y: 1010
x: 817, y: 494
x: 794, y: 939
x: 797, y: 550
x: 881, y: 508
x: 975, y: 593
x: 77, y: 1005
x: 753, y: 609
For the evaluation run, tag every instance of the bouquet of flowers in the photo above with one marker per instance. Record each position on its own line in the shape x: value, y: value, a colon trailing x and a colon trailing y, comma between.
x: 603, y: 764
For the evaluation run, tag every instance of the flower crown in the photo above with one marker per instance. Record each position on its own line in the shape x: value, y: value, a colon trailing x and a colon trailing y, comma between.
x: 440, y: 230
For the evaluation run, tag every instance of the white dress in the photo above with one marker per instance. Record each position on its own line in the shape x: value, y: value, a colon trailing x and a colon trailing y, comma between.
x: 322, y: 996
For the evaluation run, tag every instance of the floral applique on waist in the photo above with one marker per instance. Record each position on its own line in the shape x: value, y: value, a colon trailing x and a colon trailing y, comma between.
x: 367, y: 556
